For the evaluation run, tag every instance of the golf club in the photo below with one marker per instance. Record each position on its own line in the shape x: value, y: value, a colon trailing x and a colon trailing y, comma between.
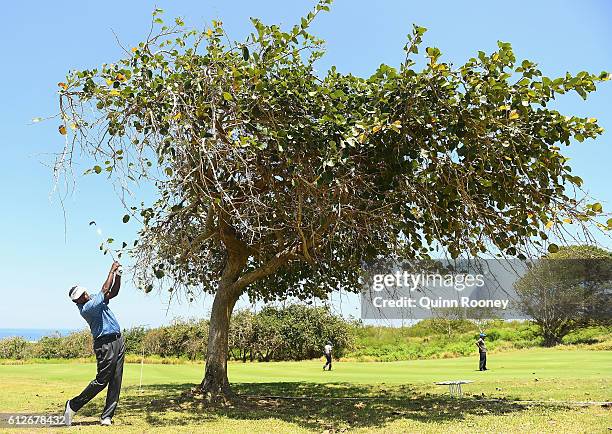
x: 105, y: 248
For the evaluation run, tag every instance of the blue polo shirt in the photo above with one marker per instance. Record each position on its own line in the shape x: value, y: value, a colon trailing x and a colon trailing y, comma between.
x: 99, y: 316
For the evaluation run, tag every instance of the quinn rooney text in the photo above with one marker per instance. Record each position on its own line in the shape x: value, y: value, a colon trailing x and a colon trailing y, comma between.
x: 429, y: 303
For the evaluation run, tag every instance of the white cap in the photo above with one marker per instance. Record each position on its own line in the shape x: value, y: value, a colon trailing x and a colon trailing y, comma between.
x: 76, y: 291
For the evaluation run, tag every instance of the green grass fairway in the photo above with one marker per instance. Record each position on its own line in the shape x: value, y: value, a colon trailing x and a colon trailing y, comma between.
x: 385, y: 397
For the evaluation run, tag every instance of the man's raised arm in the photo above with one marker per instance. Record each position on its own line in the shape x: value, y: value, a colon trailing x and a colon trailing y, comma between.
x: 111, y: 285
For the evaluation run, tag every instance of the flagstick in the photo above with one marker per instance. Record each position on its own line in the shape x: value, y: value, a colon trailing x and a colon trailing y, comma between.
x: 141, y: 366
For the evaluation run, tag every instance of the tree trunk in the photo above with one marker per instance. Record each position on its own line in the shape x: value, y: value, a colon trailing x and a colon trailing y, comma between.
x: 215, y: 385
x: 550, y: 338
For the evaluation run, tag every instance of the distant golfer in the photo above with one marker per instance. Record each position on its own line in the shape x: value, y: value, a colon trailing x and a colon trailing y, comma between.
x: 108, y: 346
x: 327, y: 352
x: 482, y: 350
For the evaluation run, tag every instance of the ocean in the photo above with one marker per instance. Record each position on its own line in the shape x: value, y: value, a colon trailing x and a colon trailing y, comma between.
x: 33, y: 334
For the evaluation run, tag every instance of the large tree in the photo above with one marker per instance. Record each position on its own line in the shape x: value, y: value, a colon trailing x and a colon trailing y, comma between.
x: 567, y: 290
x: 275, y: 180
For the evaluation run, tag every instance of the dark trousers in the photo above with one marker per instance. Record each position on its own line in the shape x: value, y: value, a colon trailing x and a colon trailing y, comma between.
x: 109, y: 358
x: 483, y: 361
x: 329, y: 361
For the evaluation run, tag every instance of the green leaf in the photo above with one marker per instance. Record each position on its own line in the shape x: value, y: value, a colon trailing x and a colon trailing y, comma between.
x: 245, y: 52
x: 97, y: 169
x: 597, y: 207
x: 337, y: 94
x: 553, y: 248
x: 433, y: 53
x: 126, y: 218
x: 227, y: 96
x: 420, y: 30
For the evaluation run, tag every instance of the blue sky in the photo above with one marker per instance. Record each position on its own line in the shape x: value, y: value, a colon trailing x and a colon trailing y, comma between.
x: 41, y: 41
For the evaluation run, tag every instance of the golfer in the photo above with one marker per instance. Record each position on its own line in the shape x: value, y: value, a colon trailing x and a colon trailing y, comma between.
x: 327, y: 352
x: 482, y: 350
x: 108, y: 346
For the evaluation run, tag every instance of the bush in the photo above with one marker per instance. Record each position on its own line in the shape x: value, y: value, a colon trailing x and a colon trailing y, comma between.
x: 590, y: 335
x: 181, y: 339
x: 14, y: 348
x: 441, y: 326
x: 75, y: 345
x: 299, y: 332
x: 134, y: 339
x: 79, y: 344
x: 242, y: 335
x: 294, y: 333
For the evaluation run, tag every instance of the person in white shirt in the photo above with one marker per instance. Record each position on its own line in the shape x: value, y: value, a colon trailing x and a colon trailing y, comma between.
x: 327, y: 352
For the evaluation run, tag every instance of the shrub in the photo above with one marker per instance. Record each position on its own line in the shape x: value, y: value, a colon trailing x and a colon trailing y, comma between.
x: 267, y: 342
x: 242, y: 335
x: 590, y: 335
x: 14, y: 348
x: 305, y: 330
x: 75, y: 345
x: 180, y: 339
x: 441, y: 326
x: 134, y: 339
x: 78, y: 344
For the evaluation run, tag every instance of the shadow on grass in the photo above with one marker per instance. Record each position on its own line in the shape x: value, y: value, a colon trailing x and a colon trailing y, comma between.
x: 333, y: 406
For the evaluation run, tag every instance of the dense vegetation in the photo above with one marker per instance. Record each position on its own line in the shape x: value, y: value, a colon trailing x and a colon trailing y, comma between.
x: 455, y: 338
x: 296, y: 332
x: 299, y: 332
